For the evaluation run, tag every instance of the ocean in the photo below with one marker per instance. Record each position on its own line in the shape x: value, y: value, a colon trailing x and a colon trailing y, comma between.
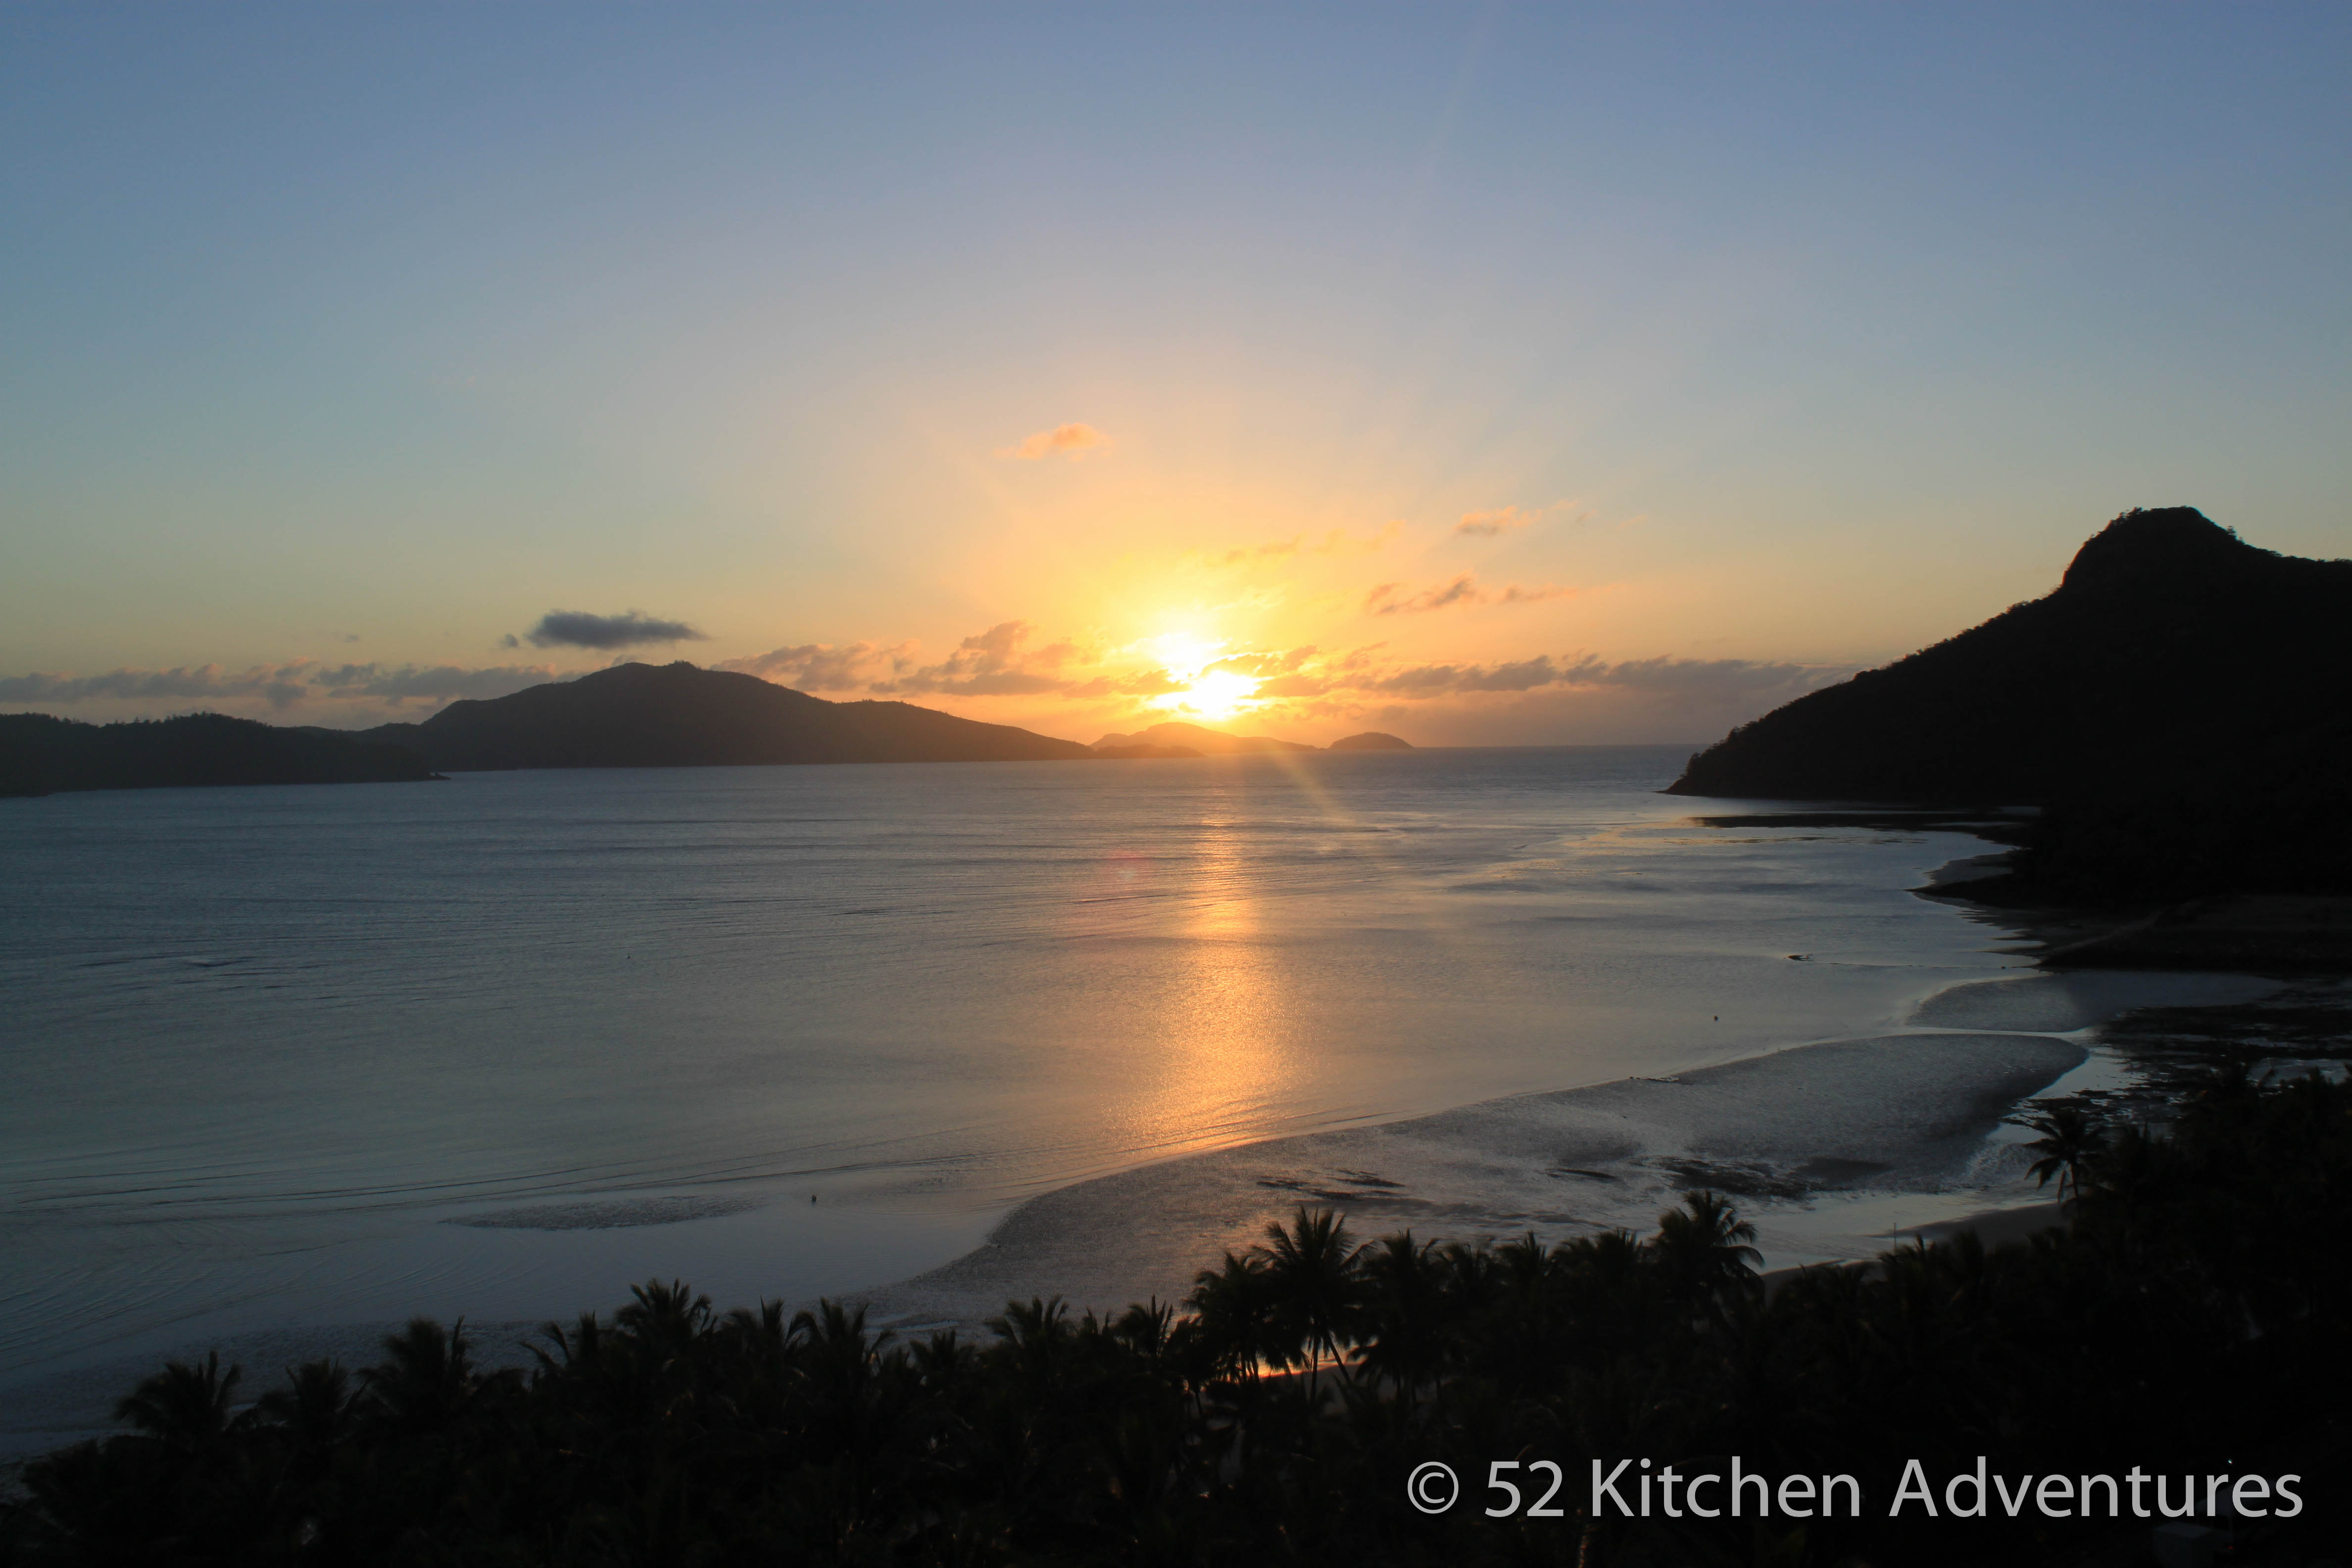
x: 499, y: 1047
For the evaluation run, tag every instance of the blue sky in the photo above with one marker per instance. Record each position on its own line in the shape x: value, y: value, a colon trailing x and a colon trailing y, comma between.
x: 344, y: 345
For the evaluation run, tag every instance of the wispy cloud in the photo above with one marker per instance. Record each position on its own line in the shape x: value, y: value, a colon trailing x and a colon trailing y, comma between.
x: 428, y: 683
x: 1450, y: 679
x: 993, y: 663
x: 1251, y: 555
x: 1386, y: 600
x: 1339, y: 541
x: 1715, y: 678
x: 1500, y: 520
x: 1335, y: 541
x: 632, y: 628
x: 1508, y: 518
x: 281, y: 686
x: 826, y: 667
x: 1072, y: 441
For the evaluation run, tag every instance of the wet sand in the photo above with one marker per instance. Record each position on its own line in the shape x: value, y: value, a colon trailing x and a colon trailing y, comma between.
x: 1895, y: 1113
x: 1835, y: 1150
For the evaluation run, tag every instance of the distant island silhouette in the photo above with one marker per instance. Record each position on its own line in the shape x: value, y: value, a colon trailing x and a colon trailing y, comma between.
x: 41, y: 754
x: 680, y: 716
x: 1142, y: 752
x: 1177, y: 739
x: 1372, y: 741
x: 2177, y: 706
x: 629, y: 716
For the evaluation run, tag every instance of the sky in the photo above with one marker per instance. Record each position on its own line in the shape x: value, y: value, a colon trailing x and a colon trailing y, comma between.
x: 1485, y: 375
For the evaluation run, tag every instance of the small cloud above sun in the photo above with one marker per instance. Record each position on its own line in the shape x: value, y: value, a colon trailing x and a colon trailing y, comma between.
x: 1072, y: 441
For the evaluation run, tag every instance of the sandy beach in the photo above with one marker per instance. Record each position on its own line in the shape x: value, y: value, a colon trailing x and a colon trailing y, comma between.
x: 1835, y: 1150
x: 1897, y: 1113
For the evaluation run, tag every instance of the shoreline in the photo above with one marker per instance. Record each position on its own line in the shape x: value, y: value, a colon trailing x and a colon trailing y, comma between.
x: 2285, y: 934
x: 1064, y: 1242
x: 1832, y: 1123
x: 1835, y: 1149
x: 1898, y: 1114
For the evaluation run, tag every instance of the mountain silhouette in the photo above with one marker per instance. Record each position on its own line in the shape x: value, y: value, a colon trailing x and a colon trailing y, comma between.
x: 1372, y: 741
x: 677, y: 715
x: 1192, y: 738
x: 40, y: 754
x: 2178, y: 705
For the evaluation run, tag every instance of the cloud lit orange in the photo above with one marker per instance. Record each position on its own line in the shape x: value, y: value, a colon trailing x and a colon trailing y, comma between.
x: 1073, y: 441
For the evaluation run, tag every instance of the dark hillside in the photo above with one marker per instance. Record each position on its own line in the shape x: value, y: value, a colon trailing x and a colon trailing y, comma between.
x: 40, y: 754
x: 642, y: 716
x: 2178, y: 704
x: 2168, y: 642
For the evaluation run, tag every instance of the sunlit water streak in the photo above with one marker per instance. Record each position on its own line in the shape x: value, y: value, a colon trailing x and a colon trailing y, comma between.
x: 259, y: 1044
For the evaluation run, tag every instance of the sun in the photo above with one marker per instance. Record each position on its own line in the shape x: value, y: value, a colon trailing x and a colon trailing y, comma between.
x: 1208, y: 692
x: 1218, y: 694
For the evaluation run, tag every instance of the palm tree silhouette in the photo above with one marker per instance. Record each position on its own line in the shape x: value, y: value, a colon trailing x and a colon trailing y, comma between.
x: 1038, y: 1338
x: 1146, y: 1329
x: 314, y: 1406
x: 1703, y: 1248
x: 183, y: 1407
x: 668, y: 1317
x: 1232, y: 1308
x: 2070, y: 1142
x: 1405, y: 1311
x: 1316, y: 1286
x: 426, y: 1381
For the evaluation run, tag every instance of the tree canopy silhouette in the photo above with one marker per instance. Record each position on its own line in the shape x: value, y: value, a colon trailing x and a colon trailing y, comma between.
x: 2185, y: 1315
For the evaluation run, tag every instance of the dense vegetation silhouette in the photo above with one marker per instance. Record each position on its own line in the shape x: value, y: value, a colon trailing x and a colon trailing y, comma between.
x: 2178, y: 706
x: 2185, y: 1322
x: 40, y: 754
x: 677, y: 715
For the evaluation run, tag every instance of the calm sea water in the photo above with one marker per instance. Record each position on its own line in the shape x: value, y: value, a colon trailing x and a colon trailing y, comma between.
x: 263, y: 1046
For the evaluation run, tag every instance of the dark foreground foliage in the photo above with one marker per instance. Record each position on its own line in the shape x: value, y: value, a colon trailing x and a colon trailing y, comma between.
x: 2187, y: 1320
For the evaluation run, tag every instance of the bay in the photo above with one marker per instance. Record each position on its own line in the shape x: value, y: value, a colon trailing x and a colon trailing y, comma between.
x: 500, y: 1045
